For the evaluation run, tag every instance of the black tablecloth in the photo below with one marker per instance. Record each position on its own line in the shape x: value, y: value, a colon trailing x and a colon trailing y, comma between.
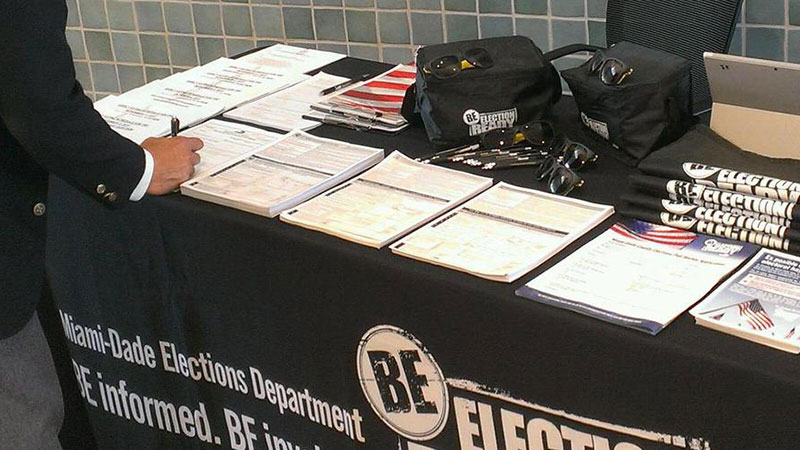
x: 243, y: 291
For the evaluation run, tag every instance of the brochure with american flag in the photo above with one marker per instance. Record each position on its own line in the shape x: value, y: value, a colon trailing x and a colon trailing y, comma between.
x: 638, y: 274
x: 760, y: 302
x: 377, y: 100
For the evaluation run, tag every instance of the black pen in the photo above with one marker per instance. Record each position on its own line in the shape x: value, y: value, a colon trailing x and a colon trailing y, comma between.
x: 449, y: 152
x: 509, y: 163
x: 175, y: 126
x: 362, y: 113
x: 331, y: 119
x: 345, y: 84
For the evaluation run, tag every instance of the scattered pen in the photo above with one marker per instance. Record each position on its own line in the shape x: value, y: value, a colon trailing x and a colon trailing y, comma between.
x: 360, y: 113
x: 344, y: 84
x: 507, y: 164
x: 175, y: 126
x: 339, y: 121
x: 473, y: 158
x: 451, y: 151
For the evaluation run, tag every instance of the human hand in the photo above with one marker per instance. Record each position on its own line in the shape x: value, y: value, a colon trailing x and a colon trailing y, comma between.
x: 174, y: 159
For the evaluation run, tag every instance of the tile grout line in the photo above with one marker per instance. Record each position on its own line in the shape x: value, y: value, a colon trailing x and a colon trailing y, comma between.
x: 111, y: 43
x: 479, y: 22
x: 86, y: 49
x: 135, y: 18
x: 786, y: 30
x: 744, y: 28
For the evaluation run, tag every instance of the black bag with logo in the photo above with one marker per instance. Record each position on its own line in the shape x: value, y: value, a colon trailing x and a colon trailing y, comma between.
x: 649, y: 108
x: 516, y: 85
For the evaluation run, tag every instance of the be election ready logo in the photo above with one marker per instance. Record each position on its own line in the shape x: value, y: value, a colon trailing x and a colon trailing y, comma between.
x: 402, y: 382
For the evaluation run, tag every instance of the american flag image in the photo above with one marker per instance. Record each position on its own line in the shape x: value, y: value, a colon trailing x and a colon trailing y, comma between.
x: 718, y: 317
x: 790, y: 333
x: 383, y: 93
x: 754, y: 315
x: 660, y: 234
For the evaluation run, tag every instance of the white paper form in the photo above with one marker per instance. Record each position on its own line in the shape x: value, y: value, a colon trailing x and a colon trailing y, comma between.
x: 147, y: 110
x: 284, y: 110
x: 626, y: 277
x: 226, y: 81
x: 282, y: 174
x: 391, y: 199
x: 133, y: 119
x: 503, y: 233
x: 293, y: 59
x: 223, y: 141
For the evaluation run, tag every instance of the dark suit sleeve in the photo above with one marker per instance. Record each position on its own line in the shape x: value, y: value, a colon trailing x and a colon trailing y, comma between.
x: 45, y: 109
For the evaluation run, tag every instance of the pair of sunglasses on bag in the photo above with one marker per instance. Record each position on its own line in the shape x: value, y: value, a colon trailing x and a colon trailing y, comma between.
x: 451, y: 65
x: 612, y: 71
x: 556, y: 156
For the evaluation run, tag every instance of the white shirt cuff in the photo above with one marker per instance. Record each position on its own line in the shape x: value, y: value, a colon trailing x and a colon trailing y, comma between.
x: 144, y: 183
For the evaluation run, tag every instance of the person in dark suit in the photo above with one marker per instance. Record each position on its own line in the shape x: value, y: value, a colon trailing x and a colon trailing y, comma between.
x: 49, y: 127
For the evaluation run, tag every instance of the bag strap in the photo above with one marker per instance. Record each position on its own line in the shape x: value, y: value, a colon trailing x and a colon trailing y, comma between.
x: 570, y: 49
x: 408, y: 110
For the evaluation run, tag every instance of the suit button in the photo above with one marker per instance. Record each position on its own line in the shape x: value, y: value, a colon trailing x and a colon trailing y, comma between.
x: 39, y: 209
x: 101, y: 189
x: 111, y: 197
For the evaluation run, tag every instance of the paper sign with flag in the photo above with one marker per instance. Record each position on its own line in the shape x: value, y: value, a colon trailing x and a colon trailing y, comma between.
x: 377, y: 100
x: 760, y: 302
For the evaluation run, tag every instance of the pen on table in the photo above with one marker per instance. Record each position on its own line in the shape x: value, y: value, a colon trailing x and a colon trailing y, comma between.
x: 479, y: 153
x: 497, y: 156
x: 508, y: 163
x: 348, y: 112
x: 452, y: 151
x: 175, y: 126
x: 344, y: 84
x: 507, y: 152
x: 330, y: 119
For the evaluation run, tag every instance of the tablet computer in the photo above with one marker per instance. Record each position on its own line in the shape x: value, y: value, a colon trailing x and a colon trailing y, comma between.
x: 756, y: 103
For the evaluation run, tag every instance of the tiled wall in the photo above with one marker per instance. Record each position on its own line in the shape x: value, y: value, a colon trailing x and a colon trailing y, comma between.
x: 121, y: 44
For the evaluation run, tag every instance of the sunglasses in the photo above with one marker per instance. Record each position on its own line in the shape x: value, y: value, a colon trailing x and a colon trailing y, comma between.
x: 538, y: 133
x: 612, y: 71
x: 559, y: 167
x: 451, y: 65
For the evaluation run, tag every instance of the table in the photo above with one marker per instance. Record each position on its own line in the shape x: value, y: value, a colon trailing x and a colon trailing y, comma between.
x: 158, y: 295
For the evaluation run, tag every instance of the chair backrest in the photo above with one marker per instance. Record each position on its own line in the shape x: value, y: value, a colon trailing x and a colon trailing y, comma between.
x: 683, y: 27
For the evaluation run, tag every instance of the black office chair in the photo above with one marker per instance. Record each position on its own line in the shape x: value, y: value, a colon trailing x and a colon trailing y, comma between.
x: 684, y: 27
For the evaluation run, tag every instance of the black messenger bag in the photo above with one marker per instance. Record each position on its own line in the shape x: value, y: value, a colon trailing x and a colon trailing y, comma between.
x: 650, y: 107
x: 516, y: 85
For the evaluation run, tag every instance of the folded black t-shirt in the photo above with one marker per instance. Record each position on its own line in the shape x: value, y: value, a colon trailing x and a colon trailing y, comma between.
x: 702, y: 145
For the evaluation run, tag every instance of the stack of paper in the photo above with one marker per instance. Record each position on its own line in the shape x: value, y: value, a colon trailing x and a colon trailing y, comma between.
x: 638, y: 275
x: 137, y: 119
x: 226, y: 81
x: 503, y: 233
x: 761, y: 302
x: 284, y: 110
x: 286, y: 58
x: 283, y: 174
x: 223, y: 141
x: 374, y: 104
x: 388, y: 201
x: 191, y: 96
